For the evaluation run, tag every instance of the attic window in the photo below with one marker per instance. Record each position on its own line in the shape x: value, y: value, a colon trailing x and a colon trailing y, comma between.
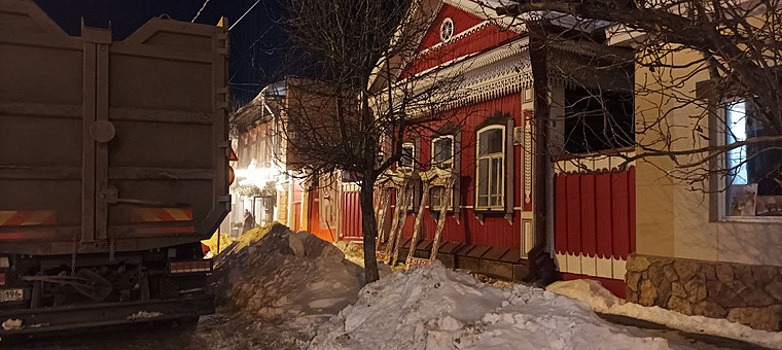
x: 446, y: 30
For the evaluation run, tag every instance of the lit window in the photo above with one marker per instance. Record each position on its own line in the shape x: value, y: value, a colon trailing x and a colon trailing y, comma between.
x: 490, y: 168
x: 754, y: 172
x: 736, y: 118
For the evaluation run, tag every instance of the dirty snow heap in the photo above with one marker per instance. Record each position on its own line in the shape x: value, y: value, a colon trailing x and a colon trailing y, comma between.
x: 290, y: 282
x: 436, y: 308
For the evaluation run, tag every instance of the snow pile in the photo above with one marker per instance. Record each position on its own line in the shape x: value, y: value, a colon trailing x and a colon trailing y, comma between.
x: 601, y: 300
x: 435, y: 308
x: 289, y: 282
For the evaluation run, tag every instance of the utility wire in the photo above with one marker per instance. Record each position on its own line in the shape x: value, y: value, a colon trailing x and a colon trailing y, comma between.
x: 245, y: 14
x: 199, y: 11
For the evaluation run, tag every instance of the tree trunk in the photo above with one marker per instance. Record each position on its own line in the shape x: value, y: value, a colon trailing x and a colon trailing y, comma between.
x: 441, y: 220
x: 417, y: 227
x: 369, y: 226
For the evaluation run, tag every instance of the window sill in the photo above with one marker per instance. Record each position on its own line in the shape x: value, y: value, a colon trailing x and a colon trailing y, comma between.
x: 490, y: 210
x: 752, y: 219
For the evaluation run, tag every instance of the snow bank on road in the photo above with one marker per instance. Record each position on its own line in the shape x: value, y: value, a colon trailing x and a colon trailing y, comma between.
x: 436, y: 308
x: 601, y: 300
x: 289, y: 282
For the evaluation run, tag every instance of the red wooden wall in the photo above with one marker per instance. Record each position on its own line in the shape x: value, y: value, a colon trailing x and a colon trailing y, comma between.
x: 328, y: 234
x: 495, y: 230
x: 595, y: 214
x: 351, y: 216
x: 296, y: 198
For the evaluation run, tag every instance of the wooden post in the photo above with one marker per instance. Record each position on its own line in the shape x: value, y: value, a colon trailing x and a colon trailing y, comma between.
x: 400, y: 195
x: 385, y: 205
x: 400, y: 227
x: 441, y: 220
x: 417, y: 227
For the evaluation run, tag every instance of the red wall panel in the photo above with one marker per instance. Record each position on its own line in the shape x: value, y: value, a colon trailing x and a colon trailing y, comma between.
x: 560, y: 204
x: 603, y: 212
x: 351, y: 217
x: 595, y: 213
x: 296, y: 217
x: 620, y: 217
x: 588, y: 216
x: 573, y: 194
x: 328, y: 234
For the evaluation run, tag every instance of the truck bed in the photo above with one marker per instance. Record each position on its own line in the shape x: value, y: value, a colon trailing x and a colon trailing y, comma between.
x: 110, y: 145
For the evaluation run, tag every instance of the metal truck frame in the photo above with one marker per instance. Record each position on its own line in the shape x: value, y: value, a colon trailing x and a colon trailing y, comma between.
x: 113, y: 166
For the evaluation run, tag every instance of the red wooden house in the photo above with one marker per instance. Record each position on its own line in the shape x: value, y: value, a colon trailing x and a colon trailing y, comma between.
x: 505, y: 191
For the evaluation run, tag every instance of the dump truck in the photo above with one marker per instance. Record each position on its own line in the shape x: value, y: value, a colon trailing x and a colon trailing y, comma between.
x: 114, y: 165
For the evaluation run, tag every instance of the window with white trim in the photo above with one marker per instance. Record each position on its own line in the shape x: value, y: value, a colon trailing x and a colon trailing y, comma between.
x: 490, y: 168
x: 443, y: 150
x: 406, y: 165
x: 407, y: 160
x: 754, y: 176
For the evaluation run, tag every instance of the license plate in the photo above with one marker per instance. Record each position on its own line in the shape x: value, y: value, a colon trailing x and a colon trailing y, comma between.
x: 11, y: 295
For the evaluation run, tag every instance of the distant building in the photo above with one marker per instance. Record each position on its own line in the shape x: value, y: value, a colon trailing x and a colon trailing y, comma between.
x: 260, y: 182
x: 270, y: 176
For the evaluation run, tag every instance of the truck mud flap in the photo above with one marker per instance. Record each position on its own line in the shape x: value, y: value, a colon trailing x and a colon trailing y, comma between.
x: 53, y: 320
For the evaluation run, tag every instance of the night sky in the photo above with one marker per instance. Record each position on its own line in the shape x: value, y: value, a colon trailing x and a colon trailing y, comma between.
x: 258, y: 43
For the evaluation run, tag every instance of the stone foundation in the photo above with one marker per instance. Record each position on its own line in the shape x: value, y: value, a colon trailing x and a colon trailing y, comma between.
x: 747, y: 294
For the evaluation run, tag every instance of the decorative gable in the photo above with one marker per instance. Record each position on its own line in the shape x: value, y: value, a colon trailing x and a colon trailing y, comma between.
x: 455, y: 33
x: 459, y: 20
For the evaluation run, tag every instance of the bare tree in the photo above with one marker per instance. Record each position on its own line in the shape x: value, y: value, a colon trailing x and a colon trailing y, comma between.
x: 695, y: 63
x: 356, y: 116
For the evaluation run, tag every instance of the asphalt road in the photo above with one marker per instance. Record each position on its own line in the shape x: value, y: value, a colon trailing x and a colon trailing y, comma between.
x: 220, y: 331
x: 225, y: 331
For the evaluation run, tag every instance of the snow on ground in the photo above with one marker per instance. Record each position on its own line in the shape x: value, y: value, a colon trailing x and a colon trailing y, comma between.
x: 601, y: 300
x: 288, y: 282
x: 436, y: 308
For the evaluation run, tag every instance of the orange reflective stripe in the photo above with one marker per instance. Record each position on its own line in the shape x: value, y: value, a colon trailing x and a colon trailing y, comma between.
x: 28, y: 218
x: 162, y: 230
x: 162, y: 214
x: 10, y: 236
x: 181, y: 214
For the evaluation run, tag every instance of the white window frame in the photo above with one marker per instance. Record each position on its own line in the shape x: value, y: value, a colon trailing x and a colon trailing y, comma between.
x: 412, y: 163
x: 725, y: 183
x: 453, y: 150
x: 408, y: 170
x: 451, y: 163
x: 437, y: 208
x: 500, y: 176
